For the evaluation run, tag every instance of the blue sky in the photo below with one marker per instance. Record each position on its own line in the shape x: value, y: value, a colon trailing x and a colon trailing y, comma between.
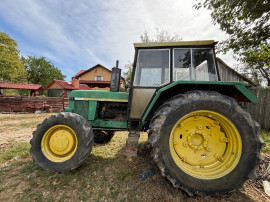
x: 76, y: 35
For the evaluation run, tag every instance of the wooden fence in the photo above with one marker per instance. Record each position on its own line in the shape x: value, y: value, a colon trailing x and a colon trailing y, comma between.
x: 261, y: 111
x: 31, y: 104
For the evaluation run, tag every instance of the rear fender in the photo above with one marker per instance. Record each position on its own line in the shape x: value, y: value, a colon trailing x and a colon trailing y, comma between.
x: 236, y: 90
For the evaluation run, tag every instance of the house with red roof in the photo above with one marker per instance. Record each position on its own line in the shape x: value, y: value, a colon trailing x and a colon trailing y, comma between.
x: 21, y: 86
x: 97, y: 77
x: 34, y: 88
x: 58, y: 88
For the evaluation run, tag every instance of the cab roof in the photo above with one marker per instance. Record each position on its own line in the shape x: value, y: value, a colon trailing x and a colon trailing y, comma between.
x: 173, y: 44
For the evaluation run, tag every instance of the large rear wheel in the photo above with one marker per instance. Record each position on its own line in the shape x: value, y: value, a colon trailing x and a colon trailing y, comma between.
x: 204, y: 142
x: 62, y: 142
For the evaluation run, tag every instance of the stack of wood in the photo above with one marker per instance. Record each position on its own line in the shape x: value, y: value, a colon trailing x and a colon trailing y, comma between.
x: 32, y: 104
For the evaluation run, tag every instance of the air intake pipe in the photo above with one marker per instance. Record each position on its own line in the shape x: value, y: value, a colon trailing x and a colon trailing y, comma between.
x: 115, y: 78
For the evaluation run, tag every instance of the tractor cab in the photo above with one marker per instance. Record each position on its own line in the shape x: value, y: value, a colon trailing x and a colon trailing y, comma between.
x: 160, y: 64
x: 157, y: 65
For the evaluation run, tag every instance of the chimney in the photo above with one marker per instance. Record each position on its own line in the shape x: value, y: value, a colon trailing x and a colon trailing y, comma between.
x: 75, y: 83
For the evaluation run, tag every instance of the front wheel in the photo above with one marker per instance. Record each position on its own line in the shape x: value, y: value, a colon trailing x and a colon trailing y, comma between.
x: 204, y: 142
x: 62, y: 142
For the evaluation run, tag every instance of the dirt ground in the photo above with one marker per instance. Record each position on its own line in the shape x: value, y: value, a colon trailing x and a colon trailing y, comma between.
x: 19, y: 128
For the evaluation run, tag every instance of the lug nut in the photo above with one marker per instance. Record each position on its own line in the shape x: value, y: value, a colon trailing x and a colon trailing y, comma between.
x: 183, y: 158
x: 201, y: 164
x: 223, y: 139
x: 198, y: 131
x: 218, y: 157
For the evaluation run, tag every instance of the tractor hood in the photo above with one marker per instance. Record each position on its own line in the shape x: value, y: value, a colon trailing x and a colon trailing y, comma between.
x: 99, y: 95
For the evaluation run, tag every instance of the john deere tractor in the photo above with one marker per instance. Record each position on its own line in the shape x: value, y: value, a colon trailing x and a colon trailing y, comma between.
x: 202, y: 140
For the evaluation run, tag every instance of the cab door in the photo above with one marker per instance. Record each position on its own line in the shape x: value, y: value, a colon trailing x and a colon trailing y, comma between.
x: 151, y: 71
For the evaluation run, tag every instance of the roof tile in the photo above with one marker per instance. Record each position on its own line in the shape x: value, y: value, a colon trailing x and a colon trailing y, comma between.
x: 8, y: 85
x: 68, y: 85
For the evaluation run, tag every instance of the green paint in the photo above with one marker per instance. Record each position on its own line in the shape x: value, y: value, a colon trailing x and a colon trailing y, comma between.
x: 70, y: 106
x: 82, y: 108
x: 85, y: 104
x: 109, y: 124
x: 68, y: 109
x: 100, y: 95
x: 178, y: 43
x: 113, y: 129
x: 249, y: 95
x: 239, y: 85
x: 92, y: 110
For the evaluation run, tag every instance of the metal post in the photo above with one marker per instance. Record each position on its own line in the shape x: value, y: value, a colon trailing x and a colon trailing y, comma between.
x: 132, y: 143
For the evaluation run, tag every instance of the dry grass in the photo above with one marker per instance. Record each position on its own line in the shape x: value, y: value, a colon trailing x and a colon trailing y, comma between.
x: 107, y: 175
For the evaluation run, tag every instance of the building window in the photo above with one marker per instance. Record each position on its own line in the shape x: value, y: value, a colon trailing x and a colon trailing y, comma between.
x: 98, y: 78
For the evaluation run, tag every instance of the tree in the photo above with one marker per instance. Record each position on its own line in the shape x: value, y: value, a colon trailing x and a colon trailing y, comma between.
x: 127, y: 74
x: 40, y: 71
x: 160, y: 36
x: 251, y: 73
x: 10, y: 64
x: 247, y: 23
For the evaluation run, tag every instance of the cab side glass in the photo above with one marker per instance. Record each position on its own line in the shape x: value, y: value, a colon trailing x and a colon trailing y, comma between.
x: 152, y: 68
x: 194, y: 64
x: 182, y: 64
x: 203, y: 62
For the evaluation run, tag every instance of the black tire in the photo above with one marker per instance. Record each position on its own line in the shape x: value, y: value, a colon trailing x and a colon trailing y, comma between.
x: 101, y: 136
x: 84, y: 142
x: 172, y: 110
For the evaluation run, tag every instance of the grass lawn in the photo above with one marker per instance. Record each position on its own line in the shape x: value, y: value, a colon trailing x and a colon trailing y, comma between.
x: 266, y: 137
x: 106, y: 175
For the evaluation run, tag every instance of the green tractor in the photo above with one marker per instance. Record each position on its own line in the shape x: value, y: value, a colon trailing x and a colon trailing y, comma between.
x: 202, y: 140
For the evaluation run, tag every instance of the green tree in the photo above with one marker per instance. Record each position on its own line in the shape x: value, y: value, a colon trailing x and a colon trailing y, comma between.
x: 159, y: 36
x: 127, y: 74
x: 251, y: 73
x: 10, y: 64
x: 40, y: 71
x: 247, y: 22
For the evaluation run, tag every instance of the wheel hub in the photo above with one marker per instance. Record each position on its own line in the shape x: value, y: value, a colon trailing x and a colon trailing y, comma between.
x: 59, y: 143
x: 205, y: 144
x: 197, y: 139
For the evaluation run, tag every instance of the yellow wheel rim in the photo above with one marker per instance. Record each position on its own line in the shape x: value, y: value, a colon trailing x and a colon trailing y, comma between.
x: 205, y: 144
x: 59, y: 143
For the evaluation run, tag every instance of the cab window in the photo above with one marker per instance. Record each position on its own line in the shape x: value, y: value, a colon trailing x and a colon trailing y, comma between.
x: 152, y: 68
x: 194, y: 64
